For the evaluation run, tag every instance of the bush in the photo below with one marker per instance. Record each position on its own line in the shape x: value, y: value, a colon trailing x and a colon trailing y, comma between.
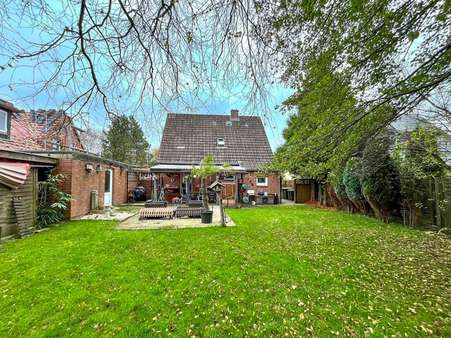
x: 52, y: 202
x: 352, y: 186
x: 336, y: 180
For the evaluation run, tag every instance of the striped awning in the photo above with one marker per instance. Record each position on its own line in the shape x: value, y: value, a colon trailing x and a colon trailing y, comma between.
x: 13, y: 174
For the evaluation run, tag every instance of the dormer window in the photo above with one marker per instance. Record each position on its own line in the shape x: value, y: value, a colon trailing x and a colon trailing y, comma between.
x: 56, y: 145
x: 220, y: 142
x: 4, y: 132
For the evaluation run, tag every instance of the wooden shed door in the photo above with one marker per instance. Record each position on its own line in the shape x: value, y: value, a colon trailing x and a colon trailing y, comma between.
x: 303, y: 193
x: 228, y: 192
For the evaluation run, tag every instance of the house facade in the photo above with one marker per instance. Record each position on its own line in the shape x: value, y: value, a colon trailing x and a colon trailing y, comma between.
x: 239, y: 141
x: 37, y: 129
x: 36, y: 143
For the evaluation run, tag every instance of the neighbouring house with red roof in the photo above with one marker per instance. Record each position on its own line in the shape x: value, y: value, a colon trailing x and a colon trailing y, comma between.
x: 239, y: 141
x: 37, y: 129
x: 35, y: 143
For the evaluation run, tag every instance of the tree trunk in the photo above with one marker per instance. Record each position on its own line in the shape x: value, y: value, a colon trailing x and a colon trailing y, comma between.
x: 204, y: 193
x: 412, y: 214
x: 378, y: 209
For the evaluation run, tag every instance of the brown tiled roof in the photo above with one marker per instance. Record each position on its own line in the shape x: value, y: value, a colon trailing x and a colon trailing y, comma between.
x: 188, y: 138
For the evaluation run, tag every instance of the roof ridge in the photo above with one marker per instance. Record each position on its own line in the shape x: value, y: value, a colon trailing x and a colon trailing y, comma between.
x: 214, y: 115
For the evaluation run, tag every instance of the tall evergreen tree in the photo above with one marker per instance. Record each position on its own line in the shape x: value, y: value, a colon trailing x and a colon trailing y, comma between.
x: 125, y: 142
x: 380, y: 178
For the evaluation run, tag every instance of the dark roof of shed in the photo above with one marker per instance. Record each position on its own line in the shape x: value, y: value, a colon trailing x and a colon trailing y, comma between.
x: 188, y: 138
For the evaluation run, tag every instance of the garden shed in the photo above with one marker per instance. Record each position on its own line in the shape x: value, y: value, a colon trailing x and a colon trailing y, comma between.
x: 20, y: 174
x: 306, y: 190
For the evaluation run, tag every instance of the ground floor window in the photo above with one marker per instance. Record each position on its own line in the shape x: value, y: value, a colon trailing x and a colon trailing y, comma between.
x: 262, y: 181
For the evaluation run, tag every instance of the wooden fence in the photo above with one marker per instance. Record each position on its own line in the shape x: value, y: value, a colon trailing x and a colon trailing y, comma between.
x: 436, y: 210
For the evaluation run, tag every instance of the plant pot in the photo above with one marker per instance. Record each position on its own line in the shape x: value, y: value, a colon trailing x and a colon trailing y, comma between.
x: 206, y: 216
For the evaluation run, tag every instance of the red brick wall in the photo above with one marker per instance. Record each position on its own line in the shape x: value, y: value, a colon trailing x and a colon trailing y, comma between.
x: 64, y: 167
x: 119, y: 185
x: 134, y: 181
x: 79, y: 183
x: 273, y: 186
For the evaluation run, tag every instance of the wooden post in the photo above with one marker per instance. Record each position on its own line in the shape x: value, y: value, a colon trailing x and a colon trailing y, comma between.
x: 236, y: 190
x: 181, y: 184
x: 154, y: 188
x: 221, y: 208
x: 295, y: 193
x: 203, y: 184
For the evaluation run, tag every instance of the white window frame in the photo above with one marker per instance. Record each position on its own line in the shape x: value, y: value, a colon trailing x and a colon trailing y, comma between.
x: 5, y: 131
x: 264, y: 184
x: 55, y: 144
x: 220, y: 141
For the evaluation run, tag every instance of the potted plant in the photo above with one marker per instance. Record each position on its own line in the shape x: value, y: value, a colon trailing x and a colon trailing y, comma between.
x: 206, y: 168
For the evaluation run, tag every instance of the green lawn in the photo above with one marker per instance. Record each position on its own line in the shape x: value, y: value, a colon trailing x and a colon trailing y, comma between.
x: 285, y: 270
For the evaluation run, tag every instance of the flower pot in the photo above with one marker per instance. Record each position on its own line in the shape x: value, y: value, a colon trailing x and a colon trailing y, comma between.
x: 206, y: 216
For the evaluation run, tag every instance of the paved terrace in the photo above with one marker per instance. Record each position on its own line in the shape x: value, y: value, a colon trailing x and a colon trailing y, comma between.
x: 134, y: 223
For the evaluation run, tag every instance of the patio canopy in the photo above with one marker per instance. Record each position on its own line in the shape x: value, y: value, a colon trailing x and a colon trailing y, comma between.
x: 160, y: 168
x: 13, y: 174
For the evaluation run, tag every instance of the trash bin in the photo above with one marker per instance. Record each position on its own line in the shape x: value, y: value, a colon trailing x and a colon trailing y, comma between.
x: 270, y: 199
x: 206, y: 216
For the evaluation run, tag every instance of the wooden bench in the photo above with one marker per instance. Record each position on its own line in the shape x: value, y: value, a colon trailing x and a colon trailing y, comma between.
x: 160, y: 212
x: 187, y: 212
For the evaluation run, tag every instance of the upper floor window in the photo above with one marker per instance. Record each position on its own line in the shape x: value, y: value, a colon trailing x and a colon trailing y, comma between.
x: 3, y: 122
x: 262, y: 181
x: 56, y: 144
x: 220, y: 141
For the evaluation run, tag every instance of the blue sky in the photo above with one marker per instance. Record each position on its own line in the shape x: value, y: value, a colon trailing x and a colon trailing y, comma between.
x: 221, y: 103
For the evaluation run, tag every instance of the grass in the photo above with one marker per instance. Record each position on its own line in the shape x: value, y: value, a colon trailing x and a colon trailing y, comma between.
x: 291, y: 270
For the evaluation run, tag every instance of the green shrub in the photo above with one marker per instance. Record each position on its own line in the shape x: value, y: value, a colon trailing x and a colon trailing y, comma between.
x: 52, y: 202
x: 336, y: 180
x: 352, y: 185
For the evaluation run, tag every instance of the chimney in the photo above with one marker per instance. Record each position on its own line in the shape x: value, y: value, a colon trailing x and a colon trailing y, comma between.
x: 234, y: 115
